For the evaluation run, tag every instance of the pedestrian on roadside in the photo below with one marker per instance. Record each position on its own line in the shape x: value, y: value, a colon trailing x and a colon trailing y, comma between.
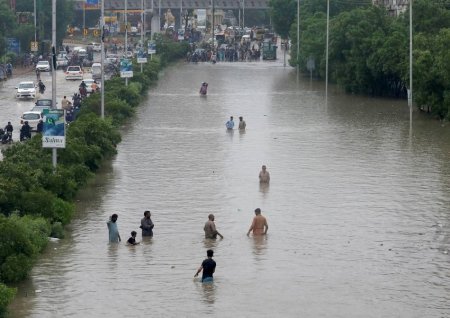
x: 40, y: 127
x: 259, y: 225
x: 208, y: 267
x: 38, y: 74
x: 147, y: 225
x: 210, y: 228
x: 114, y: 236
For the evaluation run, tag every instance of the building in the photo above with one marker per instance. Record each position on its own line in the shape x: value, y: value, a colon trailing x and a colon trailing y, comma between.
x: 395, y: 7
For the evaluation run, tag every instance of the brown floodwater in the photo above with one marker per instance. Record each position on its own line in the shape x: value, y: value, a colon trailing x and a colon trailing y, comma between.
x: 357, y: 207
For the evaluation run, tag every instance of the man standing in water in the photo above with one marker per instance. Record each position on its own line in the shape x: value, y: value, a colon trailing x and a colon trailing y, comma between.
x: 114, y: 236
x: 242, y: 123
x: 259, y: 225
x: 147, y: 224
x: 230, y: 124
x: 264, y: 176
x: 208, y: 266
x: 210, y: 228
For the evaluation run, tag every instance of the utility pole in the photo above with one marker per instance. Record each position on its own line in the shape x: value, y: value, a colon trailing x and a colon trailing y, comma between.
x: 212, y: 28
x: 35, y: 29
x: 298, y: 34
x: 142, y: 30
x: 102, y: 62
x: 410, y: 95
x: 328, y: 38
x: 54, y: 152
x: 126, y: 37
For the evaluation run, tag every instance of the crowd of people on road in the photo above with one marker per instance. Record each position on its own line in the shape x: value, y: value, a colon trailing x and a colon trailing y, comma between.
x: 258, y: 227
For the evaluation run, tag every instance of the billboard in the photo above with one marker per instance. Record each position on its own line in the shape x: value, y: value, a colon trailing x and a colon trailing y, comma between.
x: 151, y: 47
x: 13, y: 45
x: 141, y: 56
x: 201, y: 18
x: 54, y: 130
x: 126, y: 68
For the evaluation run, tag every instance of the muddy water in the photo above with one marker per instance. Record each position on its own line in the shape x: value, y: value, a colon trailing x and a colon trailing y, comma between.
x: 357, y: 207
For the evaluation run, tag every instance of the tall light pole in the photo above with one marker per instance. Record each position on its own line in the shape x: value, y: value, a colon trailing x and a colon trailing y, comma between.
x: 142, y: 30
x: 410, y: 93
x: 54, y: 153
x: 243, y: 13
x: 102, y: 57
x: 298, y: 33
x: 212, y: 21
x: 328, y: 38
x: 35, y: 29
x: 126, y: 37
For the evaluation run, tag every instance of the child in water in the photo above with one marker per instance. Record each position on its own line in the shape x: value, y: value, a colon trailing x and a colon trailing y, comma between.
x: 132, y: 239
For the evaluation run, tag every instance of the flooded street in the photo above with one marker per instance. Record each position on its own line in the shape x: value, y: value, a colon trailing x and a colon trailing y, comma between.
x: 357, y: 207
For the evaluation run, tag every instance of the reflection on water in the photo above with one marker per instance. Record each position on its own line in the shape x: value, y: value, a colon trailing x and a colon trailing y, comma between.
x: 358, y: 209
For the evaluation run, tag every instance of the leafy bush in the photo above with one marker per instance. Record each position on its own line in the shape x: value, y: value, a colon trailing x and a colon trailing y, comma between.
x: 6, y: 296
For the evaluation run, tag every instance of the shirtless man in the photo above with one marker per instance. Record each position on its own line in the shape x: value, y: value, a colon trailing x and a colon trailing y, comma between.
x: 264, y: 176
x: 210, y: 228
x: 259, y: 225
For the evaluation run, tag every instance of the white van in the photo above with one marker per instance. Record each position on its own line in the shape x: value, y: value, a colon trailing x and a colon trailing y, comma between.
x: 96, y: 70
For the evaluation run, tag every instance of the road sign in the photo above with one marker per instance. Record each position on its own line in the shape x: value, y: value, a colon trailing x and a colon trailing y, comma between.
x: 85, y: 31
x: 96, y: 32
x: 34, y: 46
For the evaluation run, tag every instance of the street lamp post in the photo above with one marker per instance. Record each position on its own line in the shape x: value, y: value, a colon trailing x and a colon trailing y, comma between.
x: 102, y: 57
x: 298, y: 33
x: 54, y: 153
x: 142, y: 30
x: 328, y: 38
x: 35, y: 29
x: 410, y: 93
x: 126, y: 37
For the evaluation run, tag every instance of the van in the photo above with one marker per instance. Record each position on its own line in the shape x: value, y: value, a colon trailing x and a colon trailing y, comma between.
x: 96, y: 70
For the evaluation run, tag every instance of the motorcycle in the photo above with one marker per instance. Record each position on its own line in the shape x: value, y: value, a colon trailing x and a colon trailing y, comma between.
x: 41, y: 89
x: 204, y: 89
x: 5, y: 137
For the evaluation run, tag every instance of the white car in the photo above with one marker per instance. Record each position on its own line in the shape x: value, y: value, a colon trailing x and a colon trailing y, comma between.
x: 43, y: 66
x: 26, y: 90
x: 32, y: 117
x: 88, y: 83
x: 96, y: 47
x: 74, y: 72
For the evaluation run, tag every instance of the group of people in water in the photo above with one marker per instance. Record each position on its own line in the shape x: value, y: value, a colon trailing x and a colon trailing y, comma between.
x: 258, y: 227
x: 230, y: 123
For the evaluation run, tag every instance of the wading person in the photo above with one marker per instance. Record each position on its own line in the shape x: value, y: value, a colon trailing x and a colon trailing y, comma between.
x: 208, y: 267
x: 210, y: 228
x: 259, y: 225
x: 114, y: 236
x: 242, y: 123
x: 132, y: 239
x: 264, y: 175
x: 230, y: 124
x: 147, y: 224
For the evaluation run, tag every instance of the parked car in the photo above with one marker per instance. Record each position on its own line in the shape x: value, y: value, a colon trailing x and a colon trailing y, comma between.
x: 74, y: 72
x: 112, y: 58
x: 26, y: 90
x: 33, y: 118
x: 43, y: 66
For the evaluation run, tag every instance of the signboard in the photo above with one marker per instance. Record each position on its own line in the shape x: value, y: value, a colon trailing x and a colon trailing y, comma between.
x: 126, y: 68
x: 85, y: 31
x: 91, y: 5
x: 54, y: 132
x: 141, y: 56
x: 151, y: 47
x: 34, y: 46
x: 201, y: 18
x: 13, y: 45
x: 96, y: 32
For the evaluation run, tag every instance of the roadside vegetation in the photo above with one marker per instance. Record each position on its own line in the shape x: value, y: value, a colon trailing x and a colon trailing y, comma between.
x: 36, y: 201
x: 369, y: 49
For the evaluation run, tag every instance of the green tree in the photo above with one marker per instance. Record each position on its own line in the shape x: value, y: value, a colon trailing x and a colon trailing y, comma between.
x: 7, y: 23
x: 283, y: 13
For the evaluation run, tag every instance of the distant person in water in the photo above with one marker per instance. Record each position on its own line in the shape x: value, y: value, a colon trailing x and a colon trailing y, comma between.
x: 230, y: 124
x: 114, y: 236
x: 204, y: 88
x: 208, y: 267
x: 147, y: 224
x: 210, y: 228
x: 264, y: 175
x: 132, y: 239
x: 259, y: 225
x: 242, y: 123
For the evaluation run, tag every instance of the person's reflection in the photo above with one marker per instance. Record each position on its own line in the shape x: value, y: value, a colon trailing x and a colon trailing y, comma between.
x: 259, y: 245
x: 208, y: 291
x: 230, y: 133
x: 210, y: 243
x: 264, y: 188
x: 113, y: 255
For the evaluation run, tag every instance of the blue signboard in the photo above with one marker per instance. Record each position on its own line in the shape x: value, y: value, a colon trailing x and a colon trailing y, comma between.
x: 92, y: 2
x: 13, y: 45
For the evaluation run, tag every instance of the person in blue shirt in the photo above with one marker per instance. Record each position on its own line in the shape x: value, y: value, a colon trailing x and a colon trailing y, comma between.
x: 230, y: 123
x: 208, y: 266
x: 114, y: 236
